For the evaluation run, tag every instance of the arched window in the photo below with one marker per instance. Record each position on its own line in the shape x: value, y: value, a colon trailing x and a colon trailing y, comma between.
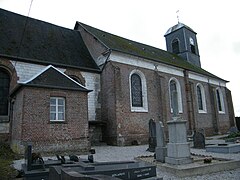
x: 175, y: 96
x: 138, y: 91
x: 192, y: 44
x: 4, y: 92
x: 201, y: 99
x: 175, y: 46
x: 220, y: 102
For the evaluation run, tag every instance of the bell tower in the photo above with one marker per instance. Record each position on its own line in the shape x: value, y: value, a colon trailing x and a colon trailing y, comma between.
x: 182, y: 40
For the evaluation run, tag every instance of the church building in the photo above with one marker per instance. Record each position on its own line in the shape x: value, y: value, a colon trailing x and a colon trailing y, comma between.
x: 65, y: 90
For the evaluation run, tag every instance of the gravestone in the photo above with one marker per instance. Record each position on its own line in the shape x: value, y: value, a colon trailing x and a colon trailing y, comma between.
x: 152, y: 135
x: 199, y: 140
x: 161, y: 149
x: 28, y: 156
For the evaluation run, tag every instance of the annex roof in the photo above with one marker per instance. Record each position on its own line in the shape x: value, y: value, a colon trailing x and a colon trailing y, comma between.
x: 31, y: 40
x: 51, y: 77
x: 127, y: 46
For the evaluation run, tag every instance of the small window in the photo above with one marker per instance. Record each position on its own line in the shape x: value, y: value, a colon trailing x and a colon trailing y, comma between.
x: 192, y: 44
x: 175, y: 46
x: 220, y: 103
x: 201, y: 99
x: 57, y: 109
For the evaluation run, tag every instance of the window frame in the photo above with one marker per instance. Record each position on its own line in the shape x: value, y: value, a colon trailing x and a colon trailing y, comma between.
x: 203, y: 98
x: 56, y: 112
x: 179, y: 95
x: 144, y: 107
x: 219, y: 99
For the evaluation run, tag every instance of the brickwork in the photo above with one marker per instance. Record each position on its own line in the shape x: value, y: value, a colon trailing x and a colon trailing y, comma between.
x: 46, y: 136
x: 124, y: 126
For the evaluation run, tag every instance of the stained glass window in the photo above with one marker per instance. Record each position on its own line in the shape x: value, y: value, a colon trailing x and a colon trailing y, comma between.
x: 4, y: 92
x: 174, y: 96
x: 136, y: 90
x: 219, y: 101
x: 199, y: 98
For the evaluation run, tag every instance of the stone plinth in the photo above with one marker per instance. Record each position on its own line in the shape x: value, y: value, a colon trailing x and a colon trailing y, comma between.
x: 178, y: 149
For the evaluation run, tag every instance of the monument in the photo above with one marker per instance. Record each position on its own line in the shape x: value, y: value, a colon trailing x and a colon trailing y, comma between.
x: 178, y: 149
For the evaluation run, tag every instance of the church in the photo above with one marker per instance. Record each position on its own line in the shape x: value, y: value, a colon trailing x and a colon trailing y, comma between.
x: 67, y: 89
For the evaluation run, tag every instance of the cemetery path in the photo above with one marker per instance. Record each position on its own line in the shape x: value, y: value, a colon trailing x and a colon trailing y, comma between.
x: 128, y: 153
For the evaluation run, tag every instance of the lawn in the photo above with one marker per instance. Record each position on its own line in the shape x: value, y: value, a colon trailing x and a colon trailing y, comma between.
x: 6, y: 159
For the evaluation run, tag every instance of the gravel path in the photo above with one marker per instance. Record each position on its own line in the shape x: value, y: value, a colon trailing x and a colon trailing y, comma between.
x: 127, y: 153
x: 113, y: 153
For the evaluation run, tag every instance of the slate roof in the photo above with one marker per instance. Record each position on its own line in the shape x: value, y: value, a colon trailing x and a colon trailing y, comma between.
x: 42, y: 42
x: 127, y: 46
x: 178, y: 26
x: 51, y: 77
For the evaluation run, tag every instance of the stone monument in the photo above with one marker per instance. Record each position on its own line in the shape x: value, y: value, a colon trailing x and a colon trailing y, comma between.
x: 178, y: 149
x: 161, y: 149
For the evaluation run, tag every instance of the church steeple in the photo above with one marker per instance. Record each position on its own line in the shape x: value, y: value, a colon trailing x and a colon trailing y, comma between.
x: 182, y: 40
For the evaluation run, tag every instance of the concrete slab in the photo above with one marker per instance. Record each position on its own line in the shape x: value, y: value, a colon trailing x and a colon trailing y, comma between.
x: 198, y: 167
x: 223, y: 148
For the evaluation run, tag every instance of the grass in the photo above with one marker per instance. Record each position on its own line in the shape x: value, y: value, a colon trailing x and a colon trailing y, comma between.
x: 6, y: 159
x: 233, y: 135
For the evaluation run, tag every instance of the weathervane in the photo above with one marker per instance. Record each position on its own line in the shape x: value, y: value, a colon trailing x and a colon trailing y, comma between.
x: 177, y: 12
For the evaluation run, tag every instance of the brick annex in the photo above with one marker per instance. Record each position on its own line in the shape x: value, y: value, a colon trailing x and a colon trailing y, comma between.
x: 67, y: 89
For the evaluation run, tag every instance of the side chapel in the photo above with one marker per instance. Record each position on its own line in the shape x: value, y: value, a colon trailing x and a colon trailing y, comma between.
x: 65, y: 90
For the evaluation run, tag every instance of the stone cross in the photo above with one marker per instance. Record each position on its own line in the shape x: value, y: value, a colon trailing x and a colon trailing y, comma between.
x: 175, y: 103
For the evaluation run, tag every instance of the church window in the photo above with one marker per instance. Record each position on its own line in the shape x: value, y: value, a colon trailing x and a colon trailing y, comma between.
x: 201, y: 99
x: 175, y: 96
x: 4, y: 92
x: 57, y: 109
x: 136, y: 88
x: 192, y: 44
x: 220, y: 103
x: 175, y: 46
x: 138, y: 92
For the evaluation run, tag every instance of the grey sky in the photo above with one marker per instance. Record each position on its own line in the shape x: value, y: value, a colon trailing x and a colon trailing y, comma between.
x: 146, y: 21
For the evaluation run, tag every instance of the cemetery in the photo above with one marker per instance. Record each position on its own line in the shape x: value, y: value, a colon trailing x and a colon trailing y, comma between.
x: 172, y: 155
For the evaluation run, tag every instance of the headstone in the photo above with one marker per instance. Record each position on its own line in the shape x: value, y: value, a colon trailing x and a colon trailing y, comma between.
x: 152, y: 135
x: 161, y: 149
x: 28, y: 156
x: 198, y: 140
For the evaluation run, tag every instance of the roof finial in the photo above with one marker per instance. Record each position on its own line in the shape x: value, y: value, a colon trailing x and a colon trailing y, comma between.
x: 177, y: 12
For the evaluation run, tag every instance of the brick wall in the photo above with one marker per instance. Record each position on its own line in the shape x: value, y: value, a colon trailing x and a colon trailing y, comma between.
x: 31, y: 121
x: 124, y: 126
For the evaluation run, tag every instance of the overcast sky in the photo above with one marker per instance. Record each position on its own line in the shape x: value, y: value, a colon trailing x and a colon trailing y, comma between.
x: 146, y: 21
